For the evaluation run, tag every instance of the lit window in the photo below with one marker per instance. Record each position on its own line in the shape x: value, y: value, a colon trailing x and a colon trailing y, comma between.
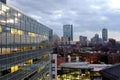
x: 2, y: 12
x: 13, y: 31
x: 5, y: 8
x: 0, y: 29
x: 14, y: 68
x: 41, y: 68
x: 4, y: 51
x: 19, y: 14
x: 20, y: 32
x: 10, y: 21
x: 31, y: 34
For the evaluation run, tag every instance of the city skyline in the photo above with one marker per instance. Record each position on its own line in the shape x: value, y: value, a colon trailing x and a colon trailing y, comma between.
x: 88, y: 17
x: 30, y: 51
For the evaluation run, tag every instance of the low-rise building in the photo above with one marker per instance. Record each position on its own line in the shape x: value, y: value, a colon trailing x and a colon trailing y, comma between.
x: 81, y: 71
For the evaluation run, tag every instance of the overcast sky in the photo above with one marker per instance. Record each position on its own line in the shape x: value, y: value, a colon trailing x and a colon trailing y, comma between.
x: 87, y: 16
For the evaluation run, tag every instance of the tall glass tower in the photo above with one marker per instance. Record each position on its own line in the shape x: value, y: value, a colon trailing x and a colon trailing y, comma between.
x: 68, y: 31
x: 104, y: 35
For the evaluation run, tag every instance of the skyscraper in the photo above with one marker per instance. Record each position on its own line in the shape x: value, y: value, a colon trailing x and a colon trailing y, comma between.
x: 96, y: 40
x: 68, y: 31
x: 104, y: 35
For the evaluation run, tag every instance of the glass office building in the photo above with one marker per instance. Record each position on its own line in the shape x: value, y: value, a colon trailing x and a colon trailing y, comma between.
x: 24, y: 46
x: 68, y: 31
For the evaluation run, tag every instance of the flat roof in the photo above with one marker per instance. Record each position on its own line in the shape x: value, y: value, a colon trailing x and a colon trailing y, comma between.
x: 85, y: 65
x: 112, y: 73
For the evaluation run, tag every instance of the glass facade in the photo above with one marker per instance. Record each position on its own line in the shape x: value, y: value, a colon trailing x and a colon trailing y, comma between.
x: 68, y: 73
x: 68, y: 31
x: 104, y: 35
x: 76, y: 74
x: 20, y: 35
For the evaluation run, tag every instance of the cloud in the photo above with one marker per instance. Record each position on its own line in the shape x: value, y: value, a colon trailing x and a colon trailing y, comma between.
x: 87, y: 16
x: 114, y: 4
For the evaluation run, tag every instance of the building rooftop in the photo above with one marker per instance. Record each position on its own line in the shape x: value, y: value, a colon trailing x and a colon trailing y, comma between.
x: 85, y: 65
x: 112, y: 73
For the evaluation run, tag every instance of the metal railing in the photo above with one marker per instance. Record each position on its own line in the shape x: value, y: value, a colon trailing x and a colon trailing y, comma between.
x: 25, y: 71
x: 8, y: 60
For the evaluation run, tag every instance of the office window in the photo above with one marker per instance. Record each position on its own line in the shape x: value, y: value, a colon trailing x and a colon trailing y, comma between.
x: 19, y: 15
x: 31, y: 39
x: 0, y: 6
x: 8, y: 50
x: 13, y: 31
x: 5, y: 8
x: 4, y: 35
x: 28, y: 27
x: 20, y: 32
x: 4, y: 50
x: 17, y: 22
x: 1, y: 34
x: 35, y: 39
x: 0, y: 51
x: 0, y: 29
x: 10, y: 20
x: 22, y: 24
x: 8, y: 34
x: 2, y: 19
x: 17, y: 39
x: 28, y: 39
x: 2, y: 13
x: 23, y: 39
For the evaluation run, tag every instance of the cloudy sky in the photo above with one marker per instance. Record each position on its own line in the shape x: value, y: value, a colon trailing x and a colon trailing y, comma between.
x: 87, y: 16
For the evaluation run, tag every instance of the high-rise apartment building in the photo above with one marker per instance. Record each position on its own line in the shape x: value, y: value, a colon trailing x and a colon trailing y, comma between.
x: 68, y: 32
x: 104, y: 35
x: 24, y: 46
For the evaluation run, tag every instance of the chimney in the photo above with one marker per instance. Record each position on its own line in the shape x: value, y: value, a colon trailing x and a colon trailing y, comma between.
x: 77, y: 59
x: 69, y: 58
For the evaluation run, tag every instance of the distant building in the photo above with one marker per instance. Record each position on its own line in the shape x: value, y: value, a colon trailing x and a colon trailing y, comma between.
x: 60, y: 60
x: 104, y: 35
x: 113, y: 58
x: 56, y: 40
x: 83, y: 40
x: 112, y: 42
x: 64, y: 40
x: 82, y: 71
x: 96, y: 40
x: 68, y: 31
